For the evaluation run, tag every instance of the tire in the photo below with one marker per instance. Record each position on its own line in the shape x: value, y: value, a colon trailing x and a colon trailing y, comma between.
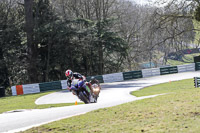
x: 95, y: 97
x: 83, y: 97
x: 95, y: 100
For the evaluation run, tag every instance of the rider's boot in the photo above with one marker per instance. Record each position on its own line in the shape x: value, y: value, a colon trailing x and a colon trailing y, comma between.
x: 74, y: 92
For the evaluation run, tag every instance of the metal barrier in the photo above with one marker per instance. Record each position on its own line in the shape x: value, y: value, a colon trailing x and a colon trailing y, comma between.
x: 132, y: 75
x: 113, y: 77
x: 197, y: 82
x: 186, y: 68
x: 98, y: 77
x: 168, y: 70
x: 55, y: 85
x: 150, y: 72
x: 197, y: 66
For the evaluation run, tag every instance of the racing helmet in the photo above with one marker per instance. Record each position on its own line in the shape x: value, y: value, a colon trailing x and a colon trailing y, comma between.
x: 68, y: 73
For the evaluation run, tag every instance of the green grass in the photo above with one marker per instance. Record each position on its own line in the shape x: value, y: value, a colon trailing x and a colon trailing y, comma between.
x: 26, y: 102
x: 187, y: 59
x: 165, y: 88
x: 190, y: 57
x: 177, y: 112
x: 175, y: 62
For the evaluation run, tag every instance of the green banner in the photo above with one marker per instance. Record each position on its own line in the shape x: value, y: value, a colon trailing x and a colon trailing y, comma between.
x: 197, y: 66
x: 132, y: 75
x: 98, y: 77
x: 46, y: 86
x: 168, y: 70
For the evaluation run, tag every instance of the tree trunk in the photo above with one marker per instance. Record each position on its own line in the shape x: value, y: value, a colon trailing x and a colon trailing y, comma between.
x: 4, y: 82
x: 31, y: 47
x: 100, y: 50
x: 129, y: 63
x: 48, y: 65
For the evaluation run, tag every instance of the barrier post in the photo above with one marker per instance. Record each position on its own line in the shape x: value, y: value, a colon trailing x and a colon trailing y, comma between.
x: 195, y: 82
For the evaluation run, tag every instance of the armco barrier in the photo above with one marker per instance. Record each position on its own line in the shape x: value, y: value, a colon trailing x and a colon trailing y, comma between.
x: 150, y: 72
x: 32, y: 88
x: 14, y: 91
x: 64, y: 84
x: 25, y: 89
x: 197, y: 66
x: 114, y: 77
x: 197, y: 82
x: 19, y: 89
x: 132, y: 75
x: 98, y: 77
x: 186, y: 68
x: 168, y: 70
x: 55, y: 85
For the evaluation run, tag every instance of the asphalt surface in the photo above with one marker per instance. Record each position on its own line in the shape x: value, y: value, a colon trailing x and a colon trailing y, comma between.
x: 112, y: 94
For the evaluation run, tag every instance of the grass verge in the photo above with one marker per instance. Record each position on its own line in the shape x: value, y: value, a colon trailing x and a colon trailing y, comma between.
x: 187, y: 59
x: 169, y: 87
x: 26, y: 102
x: 175, y: 112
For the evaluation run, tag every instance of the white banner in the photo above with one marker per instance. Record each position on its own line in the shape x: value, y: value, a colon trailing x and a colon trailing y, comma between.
x: 14, y: 91
x: 114, y: 77
x: 64, y: 84
x: 31, y: 88
x: 150, y: 72
x: 186, y: 68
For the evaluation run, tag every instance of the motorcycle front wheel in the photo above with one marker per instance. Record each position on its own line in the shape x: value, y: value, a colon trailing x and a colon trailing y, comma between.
x: 83, y: 98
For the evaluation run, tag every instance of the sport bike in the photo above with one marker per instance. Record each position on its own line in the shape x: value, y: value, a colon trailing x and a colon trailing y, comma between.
x: 88, y: 92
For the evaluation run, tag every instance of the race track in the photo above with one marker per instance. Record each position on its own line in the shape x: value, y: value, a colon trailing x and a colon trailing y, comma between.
x: 112, y: 94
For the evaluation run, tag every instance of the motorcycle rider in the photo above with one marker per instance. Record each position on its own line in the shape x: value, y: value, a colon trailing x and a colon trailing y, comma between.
x: 70, y: 76
x: 93, y: 80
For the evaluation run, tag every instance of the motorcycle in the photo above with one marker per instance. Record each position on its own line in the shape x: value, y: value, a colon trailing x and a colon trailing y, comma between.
x: 88, y: 92
x: 96, y: 90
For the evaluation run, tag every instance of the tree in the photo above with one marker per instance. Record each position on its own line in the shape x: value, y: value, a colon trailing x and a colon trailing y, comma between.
x: 10, y: 44
x: 176, y: 22
x: 109, y: 44
x: 31, y: 46
x: 44, y: 34
x: 89, y: 36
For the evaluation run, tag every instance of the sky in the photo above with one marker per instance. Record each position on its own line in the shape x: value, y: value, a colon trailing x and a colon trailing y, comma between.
x: 141, y: 1
x: 151, y: 2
